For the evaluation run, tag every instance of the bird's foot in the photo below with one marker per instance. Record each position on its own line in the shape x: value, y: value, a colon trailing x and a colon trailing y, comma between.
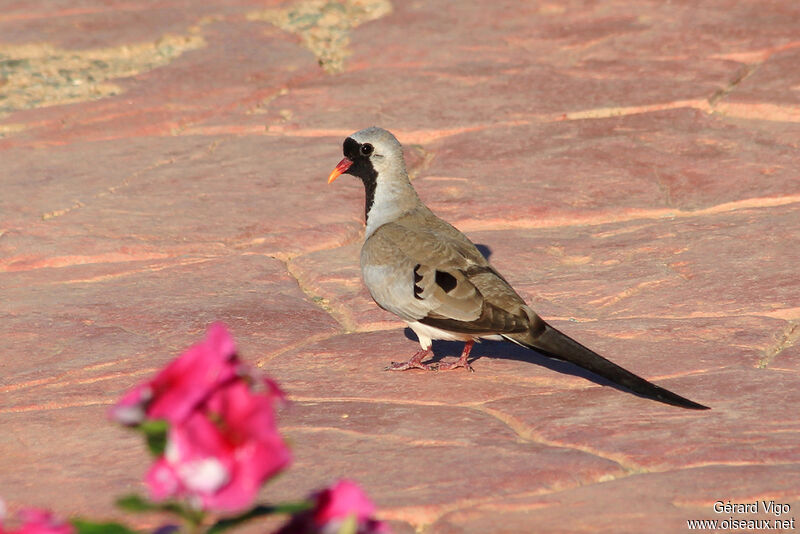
x: 414, y: 363
x: 455, y: 365
x: 462, y: 361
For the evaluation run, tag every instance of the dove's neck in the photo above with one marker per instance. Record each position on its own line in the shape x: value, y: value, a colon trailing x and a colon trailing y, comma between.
x: 387, y: 201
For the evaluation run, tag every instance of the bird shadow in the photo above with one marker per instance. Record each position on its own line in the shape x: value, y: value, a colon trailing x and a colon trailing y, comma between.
x: 505, y: 350
x: 485, y: 251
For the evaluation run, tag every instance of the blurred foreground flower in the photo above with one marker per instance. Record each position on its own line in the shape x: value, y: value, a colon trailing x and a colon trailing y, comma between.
x: 342, y: 508
x: 36, y: 521
x: 184, y: 383
x: 210, y: 420
x: 219, y: 457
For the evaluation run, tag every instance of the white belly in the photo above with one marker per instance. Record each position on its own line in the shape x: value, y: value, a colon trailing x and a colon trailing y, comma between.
x: 427, y: 333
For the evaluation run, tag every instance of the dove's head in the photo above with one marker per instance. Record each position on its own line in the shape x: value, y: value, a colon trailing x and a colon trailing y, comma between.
x: 370, y: 153
x: 376, y: 157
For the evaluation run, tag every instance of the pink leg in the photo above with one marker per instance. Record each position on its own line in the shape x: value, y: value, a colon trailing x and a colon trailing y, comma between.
x: 462, y: 361
x: 414, y: 363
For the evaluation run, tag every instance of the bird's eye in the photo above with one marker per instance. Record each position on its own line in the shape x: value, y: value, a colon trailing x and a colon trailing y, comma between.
x: 366, y: 149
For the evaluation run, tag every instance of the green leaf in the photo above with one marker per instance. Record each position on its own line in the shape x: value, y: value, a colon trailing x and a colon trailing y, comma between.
x: 155, y: 432
x: 89, y: 527
x: 290, y: 508
x: 258, y: 511
x: 136, y: 503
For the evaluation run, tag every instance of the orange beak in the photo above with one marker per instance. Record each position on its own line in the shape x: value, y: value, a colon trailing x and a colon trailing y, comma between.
x: 340, y: 168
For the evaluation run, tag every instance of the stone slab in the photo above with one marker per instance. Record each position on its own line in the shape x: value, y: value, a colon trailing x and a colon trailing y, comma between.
x: 630, y: 168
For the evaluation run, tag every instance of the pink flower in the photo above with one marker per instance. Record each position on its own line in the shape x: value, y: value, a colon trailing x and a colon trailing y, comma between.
x: 185, y: 383
x: 221, y: 454
x: 335, y: 506
x: 36, y: 521
x: 343, y: 499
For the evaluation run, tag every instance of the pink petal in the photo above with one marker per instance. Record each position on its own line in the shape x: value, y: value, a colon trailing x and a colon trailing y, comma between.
x: 36, y: 521
x: 130, y: 410
x: 247, y: 421
x: 162, y: 481
x: 340, y: 501
x: 184, y: 383
x: 190, y: 378
x: 255, y: 463
x: 200, y: 455
x: 219, y: 340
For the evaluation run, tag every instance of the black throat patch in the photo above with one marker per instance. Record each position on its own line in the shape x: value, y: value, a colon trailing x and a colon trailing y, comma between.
x: 361, y: 168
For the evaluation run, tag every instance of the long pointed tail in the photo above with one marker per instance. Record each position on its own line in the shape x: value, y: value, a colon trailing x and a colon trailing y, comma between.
x: 550, y: 341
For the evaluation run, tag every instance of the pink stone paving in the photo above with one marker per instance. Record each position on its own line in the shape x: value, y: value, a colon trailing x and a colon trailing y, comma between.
x: 634, y: 171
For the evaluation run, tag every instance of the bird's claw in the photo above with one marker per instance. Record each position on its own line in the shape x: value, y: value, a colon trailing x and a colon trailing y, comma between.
x: 436, y: 366
x: 416, y: 362
x: 456, y: 365
x: 404, y: 366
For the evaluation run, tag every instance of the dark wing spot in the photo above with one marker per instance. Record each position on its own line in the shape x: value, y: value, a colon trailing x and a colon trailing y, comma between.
x: 472, y: 270
x: 417, y: 280
x: 417, y: 276
x: 446, y: 281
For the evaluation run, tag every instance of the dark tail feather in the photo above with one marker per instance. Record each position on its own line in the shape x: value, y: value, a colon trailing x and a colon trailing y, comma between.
x: 557, y: 345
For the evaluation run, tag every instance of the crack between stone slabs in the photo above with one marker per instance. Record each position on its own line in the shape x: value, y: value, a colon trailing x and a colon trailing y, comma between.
x: 744, y: 72
x: 425, y: 136
x: 628, y: 292
x: 430, y: 135
x: 58, y: 262
x: 527, y: 434
x: 787, y: 314
x: 345, y: 321
x: 515, y: 425
x: 62, y: 379
x: 77, y: 204
x: 488, y: 503
x: 421, y: 517
x: 193, y: 126
x: 756, y: 110
x: 341, y: 316
x: 626, y: 215
x: 784, y: 370
x: 348, y: 239
x: 309, y: 340
x: 150, y: 269
x: 788, y: 337
x: 387, y: 400
x: 55, y: 406
x: 700, y: 465
x: 249, y: 104
x: 126, y: 182
x: 781, y: 313
x: 493, y: 503
x: 406, y: 441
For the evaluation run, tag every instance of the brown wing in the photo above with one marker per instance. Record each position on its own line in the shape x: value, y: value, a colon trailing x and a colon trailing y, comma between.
x: 432, y: 273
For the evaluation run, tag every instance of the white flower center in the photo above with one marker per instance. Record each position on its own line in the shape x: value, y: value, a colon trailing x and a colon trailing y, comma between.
x: 203, y: 476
